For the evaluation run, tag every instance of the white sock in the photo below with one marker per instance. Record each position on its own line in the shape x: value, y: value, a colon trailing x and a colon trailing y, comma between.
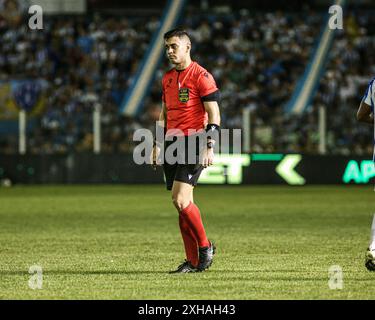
x: 372, y: 237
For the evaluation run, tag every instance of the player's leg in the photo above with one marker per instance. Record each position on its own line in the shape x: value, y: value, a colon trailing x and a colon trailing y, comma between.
x: 182, y: 194
x: 189, y: 213
x: 370, y: 254
x: 188, y: 238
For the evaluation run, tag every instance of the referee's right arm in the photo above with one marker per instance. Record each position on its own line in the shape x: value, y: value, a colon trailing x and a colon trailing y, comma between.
x: 163, y: 117
x: 163, y: 114
x: 156, y: 148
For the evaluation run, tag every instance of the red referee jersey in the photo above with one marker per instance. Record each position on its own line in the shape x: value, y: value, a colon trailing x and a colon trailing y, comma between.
x: 182, y: 93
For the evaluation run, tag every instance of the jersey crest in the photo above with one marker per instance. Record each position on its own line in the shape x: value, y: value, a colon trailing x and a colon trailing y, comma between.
x: 183, y: 95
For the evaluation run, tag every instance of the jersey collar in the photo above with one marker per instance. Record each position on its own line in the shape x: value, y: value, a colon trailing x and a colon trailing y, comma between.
x: 187, y: 68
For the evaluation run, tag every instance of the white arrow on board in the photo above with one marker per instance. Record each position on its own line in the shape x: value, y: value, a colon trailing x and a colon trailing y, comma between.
x: 286, y: 169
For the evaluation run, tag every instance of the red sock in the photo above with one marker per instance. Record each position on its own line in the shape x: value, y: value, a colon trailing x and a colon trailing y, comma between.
x: 192, y: 216
x: 190, y: 243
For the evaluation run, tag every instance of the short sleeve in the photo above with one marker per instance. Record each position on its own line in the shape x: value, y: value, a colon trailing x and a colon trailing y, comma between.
x: 368, y: 98
x: 206, y: 84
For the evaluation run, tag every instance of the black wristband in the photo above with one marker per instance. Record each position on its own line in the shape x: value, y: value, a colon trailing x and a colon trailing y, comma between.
x: 212, y: 131
x: 210, y: 144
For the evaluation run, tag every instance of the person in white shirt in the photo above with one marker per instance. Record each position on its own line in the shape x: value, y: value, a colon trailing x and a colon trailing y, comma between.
x: 366, y: 114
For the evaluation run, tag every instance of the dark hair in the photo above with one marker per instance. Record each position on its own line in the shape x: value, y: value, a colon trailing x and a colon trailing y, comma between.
x: 178, y: 32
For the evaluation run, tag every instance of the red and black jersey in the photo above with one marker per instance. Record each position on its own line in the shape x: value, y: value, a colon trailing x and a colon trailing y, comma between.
x: 183, y: 92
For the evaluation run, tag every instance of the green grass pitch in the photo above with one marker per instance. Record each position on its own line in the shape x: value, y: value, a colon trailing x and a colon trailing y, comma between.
x: 119, y: 242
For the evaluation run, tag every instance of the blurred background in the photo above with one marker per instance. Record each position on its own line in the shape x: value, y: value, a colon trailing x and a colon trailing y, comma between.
x: 73, y: 93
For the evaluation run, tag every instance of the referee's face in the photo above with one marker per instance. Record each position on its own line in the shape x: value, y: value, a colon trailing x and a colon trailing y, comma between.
x: 177, y: 49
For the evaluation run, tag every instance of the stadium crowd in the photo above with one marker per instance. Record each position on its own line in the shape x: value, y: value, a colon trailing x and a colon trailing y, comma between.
x: 87, y: 63
x: 255, y: 57
x: 349, y: 69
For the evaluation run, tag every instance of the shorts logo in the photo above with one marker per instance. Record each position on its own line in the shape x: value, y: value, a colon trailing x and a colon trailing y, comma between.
x: 183, y: 95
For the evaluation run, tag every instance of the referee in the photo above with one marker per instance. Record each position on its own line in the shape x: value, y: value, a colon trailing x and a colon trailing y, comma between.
x: 189, y: 103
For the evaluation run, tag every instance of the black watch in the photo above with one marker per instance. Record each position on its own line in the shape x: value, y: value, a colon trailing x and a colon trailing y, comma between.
x: 210, y: 145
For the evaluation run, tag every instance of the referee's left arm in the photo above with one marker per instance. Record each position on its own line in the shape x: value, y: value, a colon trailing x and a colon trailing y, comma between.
x: 210, y: 95
x: 212, y: 109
